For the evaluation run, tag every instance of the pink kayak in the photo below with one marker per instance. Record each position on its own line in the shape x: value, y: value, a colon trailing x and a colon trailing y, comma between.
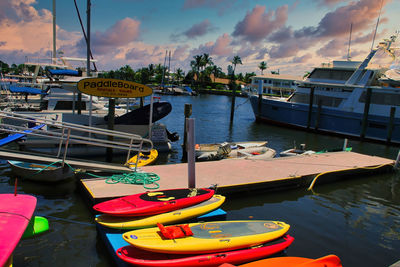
x: 15, y: 214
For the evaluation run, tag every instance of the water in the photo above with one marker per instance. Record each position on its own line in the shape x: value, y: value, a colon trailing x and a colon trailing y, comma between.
x: 356, y: 219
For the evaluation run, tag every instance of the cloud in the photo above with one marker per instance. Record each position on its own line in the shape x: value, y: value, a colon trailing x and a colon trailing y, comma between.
x: 330, y: 2
x: 302, y: 59
x: 257, y: 24
x: 120, y: 34
x: 199, y: 29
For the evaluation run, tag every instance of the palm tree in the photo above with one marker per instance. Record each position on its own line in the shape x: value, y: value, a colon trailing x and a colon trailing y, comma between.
x: 236, y: 60
x: 262, y: 66
x: 215, y: 70
x: 206, y: 60
x: 179, y: 74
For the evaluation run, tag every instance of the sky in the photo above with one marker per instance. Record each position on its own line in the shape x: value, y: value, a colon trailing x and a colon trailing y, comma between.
x: 291, y: 36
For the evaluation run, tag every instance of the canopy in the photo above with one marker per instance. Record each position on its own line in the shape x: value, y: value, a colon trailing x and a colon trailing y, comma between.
x: 28, y: 90
x: 64, y: 72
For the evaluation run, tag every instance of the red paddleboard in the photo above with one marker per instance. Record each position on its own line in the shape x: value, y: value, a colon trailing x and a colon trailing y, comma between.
x: 327, y: 261
x: 15, y: 214
x: 140, y: 257
x: 154, y: 202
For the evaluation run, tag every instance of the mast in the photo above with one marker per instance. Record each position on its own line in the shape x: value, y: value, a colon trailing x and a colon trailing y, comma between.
x: 348, y: 50
x: 54, y: 57
x: 376, y: 27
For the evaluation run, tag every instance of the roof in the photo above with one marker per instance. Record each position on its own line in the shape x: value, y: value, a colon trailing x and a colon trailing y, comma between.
x: 278, y: 77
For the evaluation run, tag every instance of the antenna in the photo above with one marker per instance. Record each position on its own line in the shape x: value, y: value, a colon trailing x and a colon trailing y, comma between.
x: 348, y: 50
x: 376, y: 27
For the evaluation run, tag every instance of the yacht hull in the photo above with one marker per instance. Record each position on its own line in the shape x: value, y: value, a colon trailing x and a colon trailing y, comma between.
x: 327, y: 120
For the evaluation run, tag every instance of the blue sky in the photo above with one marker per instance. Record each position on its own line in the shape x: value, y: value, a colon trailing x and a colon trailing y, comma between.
x: 292, y: 36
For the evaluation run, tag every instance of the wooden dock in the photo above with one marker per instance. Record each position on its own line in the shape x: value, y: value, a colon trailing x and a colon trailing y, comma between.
x: 75, y: 163
x: 239, y: 175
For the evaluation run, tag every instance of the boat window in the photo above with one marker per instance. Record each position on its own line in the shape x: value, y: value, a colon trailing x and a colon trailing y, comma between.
x: 67, y: 105
x: 327, y: 101
x: 380, y: 98
x: 331, y: 74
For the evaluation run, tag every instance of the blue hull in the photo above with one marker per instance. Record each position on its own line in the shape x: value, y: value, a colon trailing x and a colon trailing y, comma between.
x: 331, y: 121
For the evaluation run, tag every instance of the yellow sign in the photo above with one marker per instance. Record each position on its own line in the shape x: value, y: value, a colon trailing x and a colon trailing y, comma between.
x: 113, y: 88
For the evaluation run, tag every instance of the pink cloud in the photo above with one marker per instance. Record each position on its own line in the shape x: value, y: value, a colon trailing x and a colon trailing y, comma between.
x: 121, y: 33
x: 199, y: 29
x: 257, y: 24
x: 220, y: 5
x: 302, y: 59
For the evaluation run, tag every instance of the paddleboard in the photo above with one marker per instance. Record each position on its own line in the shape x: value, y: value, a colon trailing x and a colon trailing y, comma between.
x: 163, y: 218
x: 15, y: 214
x: 144, y: 159
x: 327, y: 261
x: 139, y: 257
x: 36, y: 226
x: 154, y: 202
x: 209, y: 237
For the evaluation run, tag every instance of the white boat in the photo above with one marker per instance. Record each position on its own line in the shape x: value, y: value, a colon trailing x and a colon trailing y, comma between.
x: 346, y: 98
x: 296, y: 151
x: 231, y: 150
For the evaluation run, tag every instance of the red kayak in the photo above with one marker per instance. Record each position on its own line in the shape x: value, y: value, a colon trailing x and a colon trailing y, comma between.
x: 154, y: 202
x: 140, y: 257
x: 327, y: 261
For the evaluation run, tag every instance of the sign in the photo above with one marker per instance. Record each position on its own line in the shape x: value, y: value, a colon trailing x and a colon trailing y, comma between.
x: 113, y: 88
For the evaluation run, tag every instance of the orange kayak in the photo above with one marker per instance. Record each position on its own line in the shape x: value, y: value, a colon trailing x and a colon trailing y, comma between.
x: 327, y: 261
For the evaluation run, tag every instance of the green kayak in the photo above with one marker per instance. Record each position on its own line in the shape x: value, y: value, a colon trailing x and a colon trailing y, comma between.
x: 36, y: 226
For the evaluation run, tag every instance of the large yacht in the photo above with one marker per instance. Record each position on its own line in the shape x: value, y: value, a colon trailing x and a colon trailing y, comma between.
x: 346, y: 98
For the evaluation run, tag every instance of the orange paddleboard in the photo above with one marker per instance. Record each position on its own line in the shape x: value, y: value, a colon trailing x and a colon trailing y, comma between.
x: 327, y: 261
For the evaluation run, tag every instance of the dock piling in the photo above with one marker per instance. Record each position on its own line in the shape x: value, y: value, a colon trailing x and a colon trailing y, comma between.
x: 190, y: 153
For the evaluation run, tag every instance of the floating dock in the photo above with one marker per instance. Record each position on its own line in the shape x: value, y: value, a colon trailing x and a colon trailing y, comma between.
x: 241, y: 175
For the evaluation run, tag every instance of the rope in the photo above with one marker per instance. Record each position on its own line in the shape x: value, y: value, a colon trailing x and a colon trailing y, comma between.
x: 48, y: 166
x: 136, y: 178
x: 316, y: 177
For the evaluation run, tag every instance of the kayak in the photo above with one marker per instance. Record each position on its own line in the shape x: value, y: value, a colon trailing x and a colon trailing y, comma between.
x: 154, y: 202
x: 15, y: 214
x: 327, y: 261
x: 207, y: 237
x: 139, y: 257
x: 144, y: 159
x: 164, y: 218
x: 36, y: 226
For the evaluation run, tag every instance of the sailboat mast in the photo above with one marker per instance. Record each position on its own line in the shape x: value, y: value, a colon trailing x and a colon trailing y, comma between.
x: 376, y: 27
x: 348, y: 50
x: 54, y: 57
x: 88, y: 40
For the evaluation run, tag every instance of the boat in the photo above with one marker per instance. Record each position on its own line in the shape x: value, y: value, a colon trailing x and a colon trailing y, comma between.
x: 139, y: 257
x: 208, y: 237
x: 16, y: 211
x: 345, y: 98
x: 230, y: 150
x: 144, y: 159
x: 154, y: 202
x: 36, y: 226
x: 38, y: 172
x: 327, y: 261
x: 296, y: 151
x: 165, y: 218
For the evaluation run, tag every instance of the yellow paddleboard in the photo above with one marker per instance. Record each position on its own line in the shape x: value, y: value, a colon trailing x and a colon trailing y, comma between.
x: 165, y: 218
x: 209, y: 237
x: 144, y: 159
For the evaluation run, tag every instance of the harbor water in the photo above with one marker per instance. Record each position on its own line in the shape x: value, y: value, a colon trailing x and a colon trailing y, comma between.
x: 355, y: 219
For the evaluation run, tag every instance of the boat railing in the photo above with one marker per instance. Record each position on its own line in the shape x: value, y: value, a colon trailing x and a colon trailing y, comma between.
x: 70, y: 133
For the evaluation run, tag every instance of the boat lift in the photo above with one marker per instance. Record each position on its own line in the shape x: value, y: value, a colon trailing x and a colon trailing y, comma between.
x: 69, y: 133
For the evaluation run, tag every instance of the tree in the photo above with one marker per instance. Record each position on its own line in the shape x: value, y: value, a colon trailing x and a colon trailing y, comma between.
x: 236, y: 60
x: 216, y: 71
x: 179, y: 74
x: 262, y: 66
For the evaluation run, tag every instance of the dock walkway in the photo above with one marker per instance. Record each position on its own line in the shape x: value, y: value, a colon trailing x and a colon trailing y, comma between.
x: 238, y: 175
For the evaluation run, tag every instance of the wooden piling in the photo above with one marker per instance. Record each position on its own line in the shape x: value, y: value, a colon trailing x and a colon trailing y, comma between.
x: 317, y: 121
x: 310, y: 106
x: 188, y: 113
x: 390, y: 124
x: 111, y: 116
x: 366, y: 111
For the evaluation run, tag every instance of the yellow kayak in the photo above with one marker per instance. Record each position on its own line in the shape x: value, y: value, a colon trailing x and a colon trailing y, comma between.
x: 165, y: 218
x: 209, y: 237
x: 144, y: 159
